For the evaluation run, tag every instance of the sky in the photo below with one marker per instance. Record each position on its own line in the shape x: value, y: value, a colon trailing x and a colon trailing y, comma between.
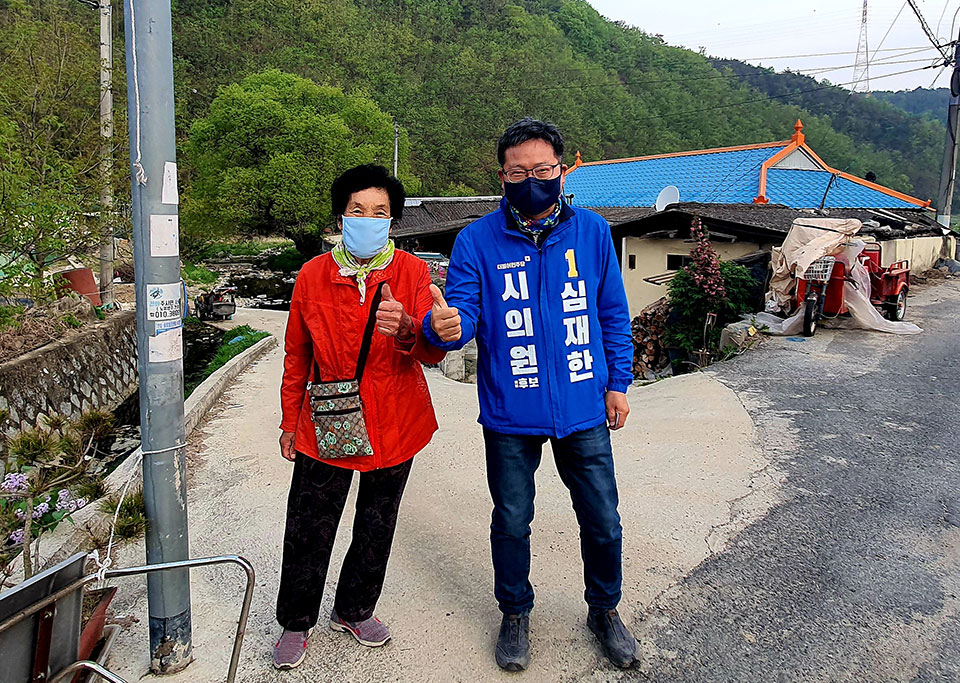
x: 780, y: 34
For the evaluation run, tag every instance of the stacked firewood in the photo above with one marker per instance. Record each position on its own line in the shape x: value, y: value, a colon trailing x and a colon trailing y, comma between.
x: 649, y: 352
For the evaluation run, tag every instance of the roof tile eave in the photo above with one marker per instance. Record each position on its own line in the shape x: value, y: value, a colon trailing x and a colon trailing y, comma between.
x: 696, y: 152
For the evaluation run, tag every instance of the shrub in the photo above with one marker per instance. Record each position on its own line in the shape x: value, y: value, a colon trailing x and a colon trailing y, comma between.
x: 198, y: 275
x: 707, y: 285
x: 45, y: 479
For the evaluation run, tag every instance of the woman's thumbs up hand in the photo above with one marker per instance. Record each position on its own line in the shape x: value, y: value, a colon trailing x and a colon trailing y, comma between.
x: 444, y: 320
x: 392, y: 320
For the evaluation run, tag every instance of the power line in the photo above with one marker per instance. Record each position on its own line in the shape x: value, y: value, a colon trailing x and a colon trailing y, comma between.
x: 889, y: 28
x: 774, y: 97
x: 943, y: 13
x: 624, y: 83
x: 918, y: 48
x: 815, y: 72
x: 926, y: 29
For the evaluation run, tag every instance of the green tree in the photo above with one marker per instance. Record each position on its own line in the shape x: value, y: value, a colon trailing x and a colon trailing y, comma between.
x: 265, y: 155
x: 49, y: 138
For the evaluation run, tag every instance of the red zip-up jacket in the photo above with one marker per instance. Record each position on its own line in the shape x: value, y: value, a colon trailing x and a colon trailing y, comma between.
x: 326, y: 323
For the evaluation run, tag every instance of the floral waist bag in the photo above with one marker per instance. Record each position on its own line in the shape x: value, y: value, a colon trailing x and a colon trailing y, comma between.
x: 336, y: 407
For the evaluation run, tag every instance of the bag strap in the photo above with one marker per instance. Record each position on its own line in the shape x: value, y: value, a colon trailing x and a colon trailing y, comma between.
x: 365, y: 342
x: 368, y: 332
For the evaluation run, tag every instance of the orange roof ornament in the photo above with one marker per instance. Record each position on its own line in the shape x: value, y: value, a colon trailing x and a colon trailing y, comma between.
x: 798, y: 136
x: 577, y: 164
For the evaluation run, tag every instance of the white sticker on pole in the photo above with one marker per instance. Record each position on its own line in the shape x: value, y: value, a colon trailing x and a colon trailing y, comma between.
x: 166, y: 346
x: 164, y: 325
x: 168, y: 193
x: 164, y: 235
x: 163, y: 301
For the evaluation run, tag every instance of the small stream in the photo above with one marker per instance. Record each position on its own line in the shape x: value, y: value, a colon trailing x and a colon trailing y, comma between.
x: 201, y: 342
x: 265, y: 289
x: 258, y: 286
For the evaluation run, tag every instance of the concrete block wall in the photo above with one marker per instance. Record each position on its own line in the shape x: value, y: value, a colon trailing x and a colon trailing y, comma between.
x: 95, y: 368
x: 922, y: 252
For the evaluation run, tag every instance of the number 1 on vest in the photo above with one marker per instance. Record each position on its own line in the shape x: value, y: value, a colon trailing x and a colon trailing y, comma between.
x: 571, y: 263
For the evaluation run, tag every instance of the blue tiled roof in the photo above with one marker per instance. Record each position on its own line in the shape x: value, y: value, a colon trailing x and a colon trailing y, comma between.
x: 722, y: 177
x: 804, y: 189
x: 725, y: 177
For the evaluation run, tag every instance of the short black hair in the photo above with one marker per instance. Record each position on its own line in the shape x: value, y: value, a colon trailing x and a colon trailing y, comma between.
x: 529, y: 129
x: 361, y: 178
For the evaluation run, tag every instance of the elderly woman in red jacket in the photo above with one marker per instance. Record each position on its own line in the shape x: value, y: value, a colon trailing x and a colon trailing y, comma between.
x: 341, y: 376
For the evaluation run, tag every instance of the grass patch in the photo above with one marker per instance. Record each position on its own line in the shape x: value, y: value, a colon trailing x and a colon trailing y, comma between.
x: 72, y: 321
x: 198, y: 275
x: 240, y: 248
x: 132, y: 520
x: 235, y: 342
x: 10, y: 317
x: 286, y: 261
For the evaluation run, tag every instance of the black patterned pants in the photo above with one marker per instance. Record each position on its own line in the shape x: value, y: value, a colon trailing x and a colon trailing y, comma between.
x: 318, y: 494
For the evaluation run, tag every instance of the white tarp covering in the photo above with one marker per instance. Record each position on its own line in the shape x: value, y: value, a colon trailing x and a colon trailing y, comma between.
x: 808, y: 240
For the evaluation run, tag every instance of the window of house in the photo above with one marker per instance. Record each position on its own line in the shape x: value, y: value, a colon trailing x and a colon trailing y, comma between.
x: 677, y: 261
x: 632, y: 261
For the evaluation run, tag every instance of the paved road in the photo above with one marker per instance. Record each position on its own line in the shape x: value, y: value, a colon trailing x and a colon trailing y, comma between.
x: 856, y: 574
x: 687, y: 464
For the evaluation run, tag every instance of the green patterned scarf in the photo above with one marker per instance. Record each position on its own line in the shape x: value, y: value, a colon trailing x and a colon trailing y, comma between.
x: 351, y: 267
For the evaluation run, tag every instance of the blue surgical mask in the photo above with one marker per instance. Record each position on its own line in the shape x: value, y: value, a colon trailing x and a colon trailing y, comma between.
x: 365, y: 237
x: 533, y: 196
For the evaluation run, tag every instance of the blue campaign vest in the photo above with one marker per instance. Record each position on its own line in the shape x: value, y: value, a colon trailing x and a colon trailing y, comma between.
x: 552, y: 323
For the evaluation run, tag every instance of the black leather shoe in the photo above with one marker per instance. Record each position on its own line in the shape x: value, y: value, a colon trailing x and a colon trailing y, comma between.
x: 618, y: 644
x: 513, y: 644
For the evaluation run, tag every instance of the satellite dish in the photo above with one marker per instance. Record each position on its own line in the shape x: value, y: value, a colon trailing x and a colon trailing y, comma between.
x: 668, y: 195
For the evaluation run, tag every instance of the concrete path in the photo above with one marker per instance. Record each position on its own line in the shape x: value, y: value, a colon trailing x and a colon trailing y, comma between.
x: 855, y: 575
x: 690, y: 472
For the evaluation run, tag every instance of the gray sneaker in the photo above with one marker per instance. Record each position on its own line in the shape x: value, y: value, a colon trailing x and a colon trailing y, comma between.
x: 370, y: 632
x: 291, y: 649
x: 513, y: 643
x: 618, y: 644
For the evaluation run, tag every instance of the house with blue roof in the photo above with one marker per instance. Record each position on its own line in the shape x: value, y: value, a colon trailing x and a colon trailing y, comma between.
x: 787, y: 173
x: 748, y: 197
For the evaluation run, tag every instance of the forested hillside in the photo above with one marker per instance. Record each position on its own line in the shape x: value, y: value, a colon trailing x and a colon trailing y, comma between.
x: 922, y: 101
x: 454, y: 73
x: 913, y: 143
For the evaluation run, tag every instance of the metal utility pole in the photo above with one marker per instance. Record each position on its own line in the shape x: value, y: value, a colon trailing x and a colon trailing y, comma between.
x: 106, y: 154
x: 948, y: 172
x: 154, y: 197
x: 861, y: 70
x: 396, y: 147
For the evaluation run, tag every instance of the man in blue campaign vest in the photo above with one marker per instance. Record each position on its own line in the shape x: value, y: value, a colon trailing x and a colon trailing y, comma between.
x: 538, y: 284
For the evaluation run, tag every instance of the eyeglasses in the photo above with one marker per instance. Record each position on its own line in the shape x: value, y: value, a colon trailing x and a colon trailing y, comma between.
x: 541, y: 172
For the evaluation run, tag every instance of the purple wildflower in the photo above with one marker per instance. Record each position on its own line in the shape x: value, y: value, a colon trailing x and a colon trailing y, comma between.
x: 79, y: 502
x: 65, y: 501
x: 41, y: 510
x: 14, y: 482
x: 17, y: 536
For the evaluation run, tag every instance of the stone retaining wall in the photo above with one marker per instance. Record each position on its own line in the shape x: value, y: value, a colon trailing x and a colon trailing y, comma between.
x: 95, y: 368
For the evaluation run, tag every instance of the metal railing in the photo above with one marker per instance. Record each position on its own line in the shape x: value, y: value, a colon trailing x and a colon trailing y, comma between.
x: 134, y: 571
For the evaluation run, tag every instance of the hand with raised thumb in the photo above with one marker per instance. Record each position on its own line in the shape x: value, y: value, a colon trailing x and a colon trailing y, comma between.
x: 444, y: 320
x: 392, y: 320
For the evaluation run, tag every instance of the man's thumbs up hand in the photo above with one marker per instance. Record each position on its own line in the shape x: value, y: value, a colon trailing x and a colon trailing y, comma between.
x: 392, y: 320
x: 444, y: 320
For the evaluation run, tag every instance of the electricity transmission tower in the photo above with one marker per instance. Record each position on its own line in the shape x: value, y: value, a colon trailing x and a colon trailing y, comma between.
x: 861, y: 69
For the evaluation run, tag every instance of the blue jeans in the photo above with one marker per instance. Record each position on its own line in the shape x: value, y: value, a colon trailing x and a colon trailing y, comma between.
x: 585, y: 464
